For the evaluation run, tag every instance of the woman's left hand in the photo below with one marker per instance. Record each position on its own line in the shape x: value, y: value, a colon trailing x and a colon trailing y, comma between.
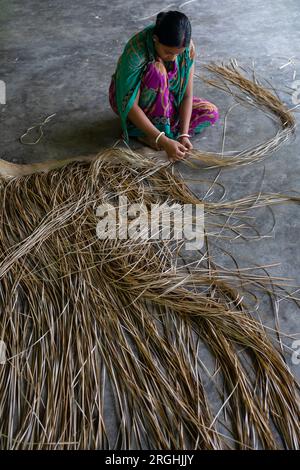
x: 186, y: 142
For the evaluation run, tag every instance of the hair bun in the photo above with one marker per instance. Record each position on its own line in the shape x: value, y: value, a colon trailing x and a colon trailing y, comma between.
x: 160, y: 16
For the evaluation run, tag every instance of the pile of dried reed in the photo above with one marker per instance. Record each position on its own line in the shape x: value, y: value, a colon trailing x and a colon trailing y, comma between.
x: 79, y: 313
x: 248, y: 92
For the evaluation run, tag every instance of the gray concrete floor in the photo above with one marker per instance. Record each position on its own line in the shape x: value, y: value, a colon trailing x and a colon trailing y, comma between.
x: 58, y: 57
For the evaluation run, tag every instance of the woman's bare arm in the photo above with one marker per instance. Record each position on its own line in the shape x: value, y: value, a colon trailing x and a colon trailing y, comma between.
x: 185, y: 110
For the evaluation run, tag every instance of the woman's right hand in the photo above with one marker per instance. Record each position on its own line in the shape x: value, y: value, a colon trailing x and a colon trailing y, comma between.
x: 174, y: 149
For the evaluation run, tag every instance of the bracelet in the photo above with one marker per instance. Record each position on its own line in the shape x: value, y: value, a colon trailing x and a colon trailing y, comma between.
x: 159, y: 135
x: 183, y: 135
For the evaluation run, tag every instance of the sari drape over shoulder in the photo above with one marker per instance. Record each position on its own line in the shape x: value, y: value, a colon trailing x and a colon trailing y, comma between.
x: 138, y: 52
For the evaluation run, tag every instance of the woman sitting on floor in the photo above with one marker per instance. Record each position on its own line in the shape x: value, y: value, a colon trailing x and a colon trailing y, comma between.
x: 152, y: 87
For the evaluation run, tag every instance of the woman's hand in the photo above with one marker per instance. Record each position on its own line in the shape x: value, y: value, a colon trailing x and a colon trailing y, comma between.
x: 186, y: 142
x: 174, y: 149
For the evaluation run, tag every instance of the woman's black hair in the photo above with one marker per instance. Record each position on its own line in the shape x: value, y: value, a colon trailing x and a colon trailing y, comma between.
x: 173, y: 29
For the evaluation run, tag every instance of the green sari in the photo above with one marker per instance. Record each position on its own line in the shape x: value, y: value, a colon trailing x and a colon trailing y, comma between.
x: 138, y: 52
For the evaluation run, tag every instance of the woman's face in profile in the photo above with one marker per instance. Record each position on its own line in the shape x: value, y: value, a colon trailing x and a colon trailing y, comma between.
x: 166, y: 53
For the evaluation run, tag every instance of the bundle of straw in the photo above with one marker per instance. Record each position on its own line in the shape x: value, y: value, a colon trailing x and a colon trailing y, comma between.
x: 80, y: 314
x: 248, y: 92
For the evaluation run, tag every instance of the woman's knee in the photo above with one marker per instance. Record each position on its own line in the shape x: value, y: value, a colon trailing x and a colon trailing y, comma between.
x: 155, y: 74
x: 205, y: 108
